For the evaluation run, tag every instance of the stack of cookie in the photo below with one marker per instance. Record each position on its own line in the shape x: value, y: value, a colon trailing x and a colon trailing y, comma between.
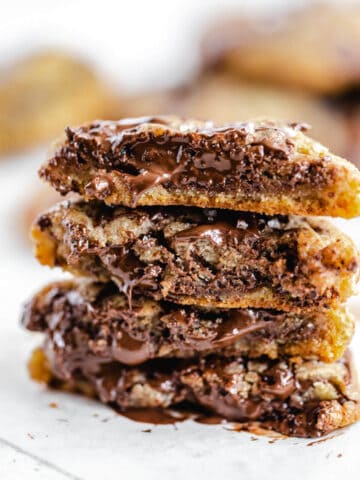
x: 198, y: 279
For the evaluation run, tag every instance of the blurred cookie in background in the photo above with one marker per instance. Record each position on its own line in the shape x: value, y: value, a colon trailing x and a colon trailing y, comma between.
x: 354, y: 128
x: 45, y: 92
x: 302, y: 64
x: 316, y: 48
x: 225, y: 99
x: 156, y: 102
x: 349, y: 104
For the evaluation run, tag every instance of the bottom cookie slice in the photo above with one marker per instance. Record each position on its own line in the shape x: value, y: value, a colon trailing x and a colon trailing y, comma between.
x: 293, y: 396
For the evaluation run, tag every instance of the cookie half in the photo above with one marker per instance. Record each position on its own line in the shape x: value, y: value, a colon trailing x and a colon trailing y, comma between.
x: 96, y: 319
x: 294, y: 397
x: 214, y: 258
x: 258, y: 166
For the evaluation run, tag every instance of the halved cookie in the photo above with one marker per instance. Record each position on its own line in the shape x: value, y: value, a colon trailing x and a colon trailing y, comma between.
x: 96, y: 318
x: 259, y: 166
x: 293, y: 396
x: 205, y: 257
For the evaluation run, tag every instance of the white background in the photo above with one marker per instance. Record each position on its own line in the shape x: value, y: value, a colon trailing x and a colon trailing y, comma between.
x: 138, y: 45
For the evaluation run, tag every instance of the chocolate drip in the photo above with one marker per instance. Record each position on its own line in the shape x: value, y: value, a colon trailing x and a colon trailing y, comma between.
x: 155, y: 416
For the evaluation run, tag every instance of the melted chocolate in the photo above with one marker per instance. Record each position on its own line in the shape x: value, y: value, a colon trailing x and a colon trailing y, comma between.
x: 220, y: 233
x: 130, y: 351
x: 128, y: 272
x: 155, y: 416
x: 178, y: 414
x: 280, y: 383
x: 210, y: 420
x: 238, y: 324
x: 158, y: 416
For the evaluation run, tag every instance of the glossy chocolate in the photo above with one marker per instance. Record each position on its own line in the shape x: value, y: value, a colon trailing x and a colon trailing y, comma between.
x: 220, y: 233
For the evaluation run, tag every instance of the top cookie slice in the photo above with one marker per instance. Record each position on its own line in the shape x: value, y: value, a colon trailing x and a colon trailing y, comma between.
x: 259, y: 166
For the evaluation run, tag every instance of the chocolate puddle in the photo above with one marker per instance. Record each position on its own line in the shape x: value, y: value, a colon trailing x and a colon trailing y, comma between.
x: 155, y: 416
x: 158, y: 416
